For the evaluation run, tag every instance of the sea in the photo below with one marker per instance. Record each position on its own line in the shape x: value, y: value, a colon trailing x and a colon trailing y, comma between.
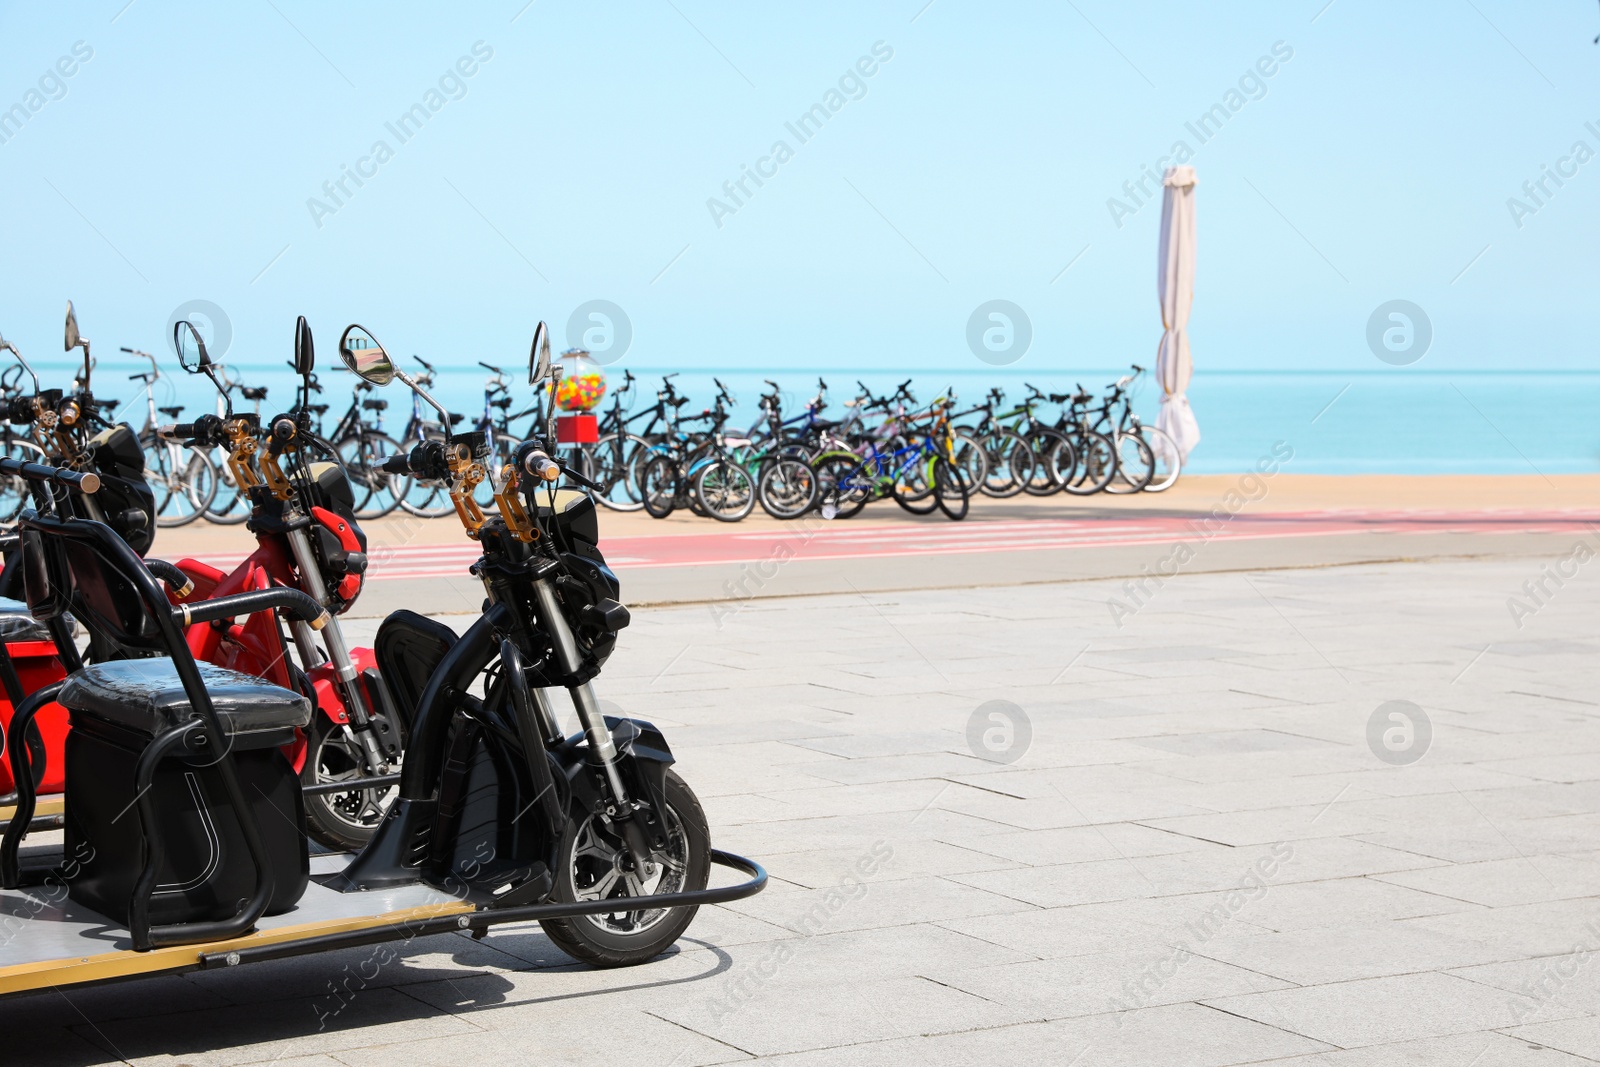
x: 1389, y: 421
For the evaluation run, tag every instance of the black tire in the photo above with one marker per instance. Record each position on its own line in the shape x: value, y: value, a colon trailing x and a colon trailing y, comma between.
x: 951, y: 491
x: 913, y: 487
x: 612, y: 462
x: 1096, y: 466
x: 1136, y: 464
x: 1009, y: 464
x: 1054, y: 459
x: 605, y: 940
x: 341, y: 821
x: 841, y: 493
x: 725, y: 490
x: 787, y: 487
x: 658, y: 486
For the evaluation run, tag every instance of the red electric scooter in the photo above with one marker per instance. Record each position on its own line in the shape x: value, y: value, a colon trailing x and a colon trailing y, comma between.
x: 348, y: 755
x: 302, y: 512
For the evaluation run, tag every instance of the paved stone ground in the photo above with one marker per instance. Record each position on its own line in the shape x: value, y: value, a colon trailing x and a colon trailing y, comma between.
x: 1195, y: 856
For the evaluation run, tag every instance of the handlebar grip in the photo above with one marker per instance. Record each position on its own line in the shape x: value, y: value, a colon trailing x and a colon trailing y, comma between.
x: 541, y: 466
x: 87, y: 482
x: 397, y: 464
x: 125, y: 348
x: 183, y: 429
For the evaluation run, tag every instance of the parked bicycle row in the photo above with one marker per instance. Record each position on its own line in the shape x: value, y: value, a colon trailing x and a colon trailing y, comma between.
x: 927, y: 458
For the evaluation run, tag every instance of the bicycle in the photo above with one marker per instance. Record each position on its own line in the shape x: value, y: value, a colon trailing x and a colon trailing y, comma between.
x: 1166, y: 458
x: 184, y: 480
x: 15, y: 495
x: 1009, y: 460
x: 362, y: 447
x: 420, y: 499
x: 698, y: 470
x: 911, y: 472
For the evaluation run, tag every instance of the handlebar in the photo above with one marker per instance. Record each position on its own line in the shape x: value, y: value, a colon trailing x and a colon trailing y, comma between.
x: 84, y: 481
x: 422, y: 361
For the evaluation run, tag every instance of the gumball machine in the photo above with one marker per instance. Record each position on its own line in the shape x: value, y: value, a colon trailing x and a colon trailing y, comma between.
x: 579, y: 391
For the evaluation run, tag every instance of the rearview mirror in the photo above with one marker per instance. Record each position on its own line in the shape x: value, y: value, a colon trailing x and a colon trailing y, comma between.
x: 7, y: 346
x: 73, y: 337
x: 539, y: 355
x: 304, y: 357
x: 365, y: 357
x: 191, y: 347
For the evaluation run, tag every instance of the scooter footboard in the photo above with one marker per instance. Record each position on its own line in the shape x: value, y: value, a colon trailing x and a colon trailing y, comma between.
x: 481, y: 919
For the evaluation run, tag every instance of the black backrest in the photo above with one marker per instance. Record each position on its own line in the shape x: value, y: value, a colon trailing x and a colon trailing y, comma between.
x: 82, y: 565
x: 45, y: 583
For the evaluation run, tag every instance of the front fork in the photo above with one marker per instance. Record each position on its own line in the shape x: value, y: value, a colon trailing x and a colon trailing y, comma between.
x: 602, y: 747
x: 355, y: 701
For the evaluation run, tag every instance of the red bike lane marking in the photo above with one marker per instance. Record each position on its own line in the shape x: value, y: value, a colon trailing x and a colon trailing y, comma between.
x: 824, y: 540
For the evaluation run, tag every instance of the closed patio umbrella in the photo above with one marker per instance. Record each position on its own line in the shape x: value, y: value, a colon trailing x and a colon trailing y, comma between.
x: 1175, y: 287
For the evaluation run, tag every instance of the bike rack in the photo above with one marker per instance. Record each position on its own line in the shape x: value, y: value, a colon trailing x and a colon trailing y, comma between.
x: 480, y: 920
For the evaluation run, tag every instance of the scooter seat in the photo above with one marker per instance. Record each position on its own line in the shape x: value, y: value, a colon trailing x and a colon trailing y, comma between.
x: 146, y: 696
x: 18, y: 624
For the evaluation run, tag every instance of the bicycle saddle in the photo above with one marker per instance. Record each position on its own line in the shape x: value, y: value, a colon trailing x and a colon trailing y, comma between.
x: 455, y: 418
x: 375, y: 404
x: 174, y: 411
x: 254, y: 392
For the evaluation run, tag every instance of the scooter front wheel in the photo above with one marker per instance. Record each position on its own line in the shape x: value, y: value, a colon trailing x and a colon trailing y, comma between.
x: 344, y: 821
x: 593, y: 864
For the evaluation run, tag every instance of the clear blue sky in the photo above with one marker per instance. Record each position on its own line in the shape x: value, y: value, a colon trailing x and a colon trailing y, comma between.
x: 576, y: 163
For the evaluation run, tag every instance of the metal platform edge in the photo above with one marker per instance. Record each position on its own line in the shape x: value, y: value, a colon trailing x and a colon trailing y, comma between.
x: 408, y: 923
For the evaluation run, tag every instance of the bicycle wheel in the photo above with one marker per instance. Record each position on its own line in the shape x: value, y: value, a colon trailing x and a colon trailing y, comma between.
x: 15, y: 494
x: 658, y: 485
x: 1096, y: 466
x: 1135, y: 464
x: 951, y: 490
x: 377, y: 492
x: 725, y: 489
x: 610, y: 461
x: 183, y: 488
x: 843, y: 484
x: 1054, y: 458
x: 1168, y: 459
x: 787, y: 487
x: 913, y: 486
x: 971, y: 456
x: 197, y: 487
x: 1009, y: 463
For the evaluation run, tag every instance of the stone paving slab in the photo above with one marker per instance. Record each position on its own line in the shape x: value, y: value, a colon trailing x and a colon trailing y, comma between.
x: 1183, y: 842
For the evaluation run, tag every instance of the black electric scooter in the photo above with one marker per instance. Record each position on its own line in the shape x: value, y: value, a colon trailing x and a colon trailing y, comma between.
x: 182, y: 848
